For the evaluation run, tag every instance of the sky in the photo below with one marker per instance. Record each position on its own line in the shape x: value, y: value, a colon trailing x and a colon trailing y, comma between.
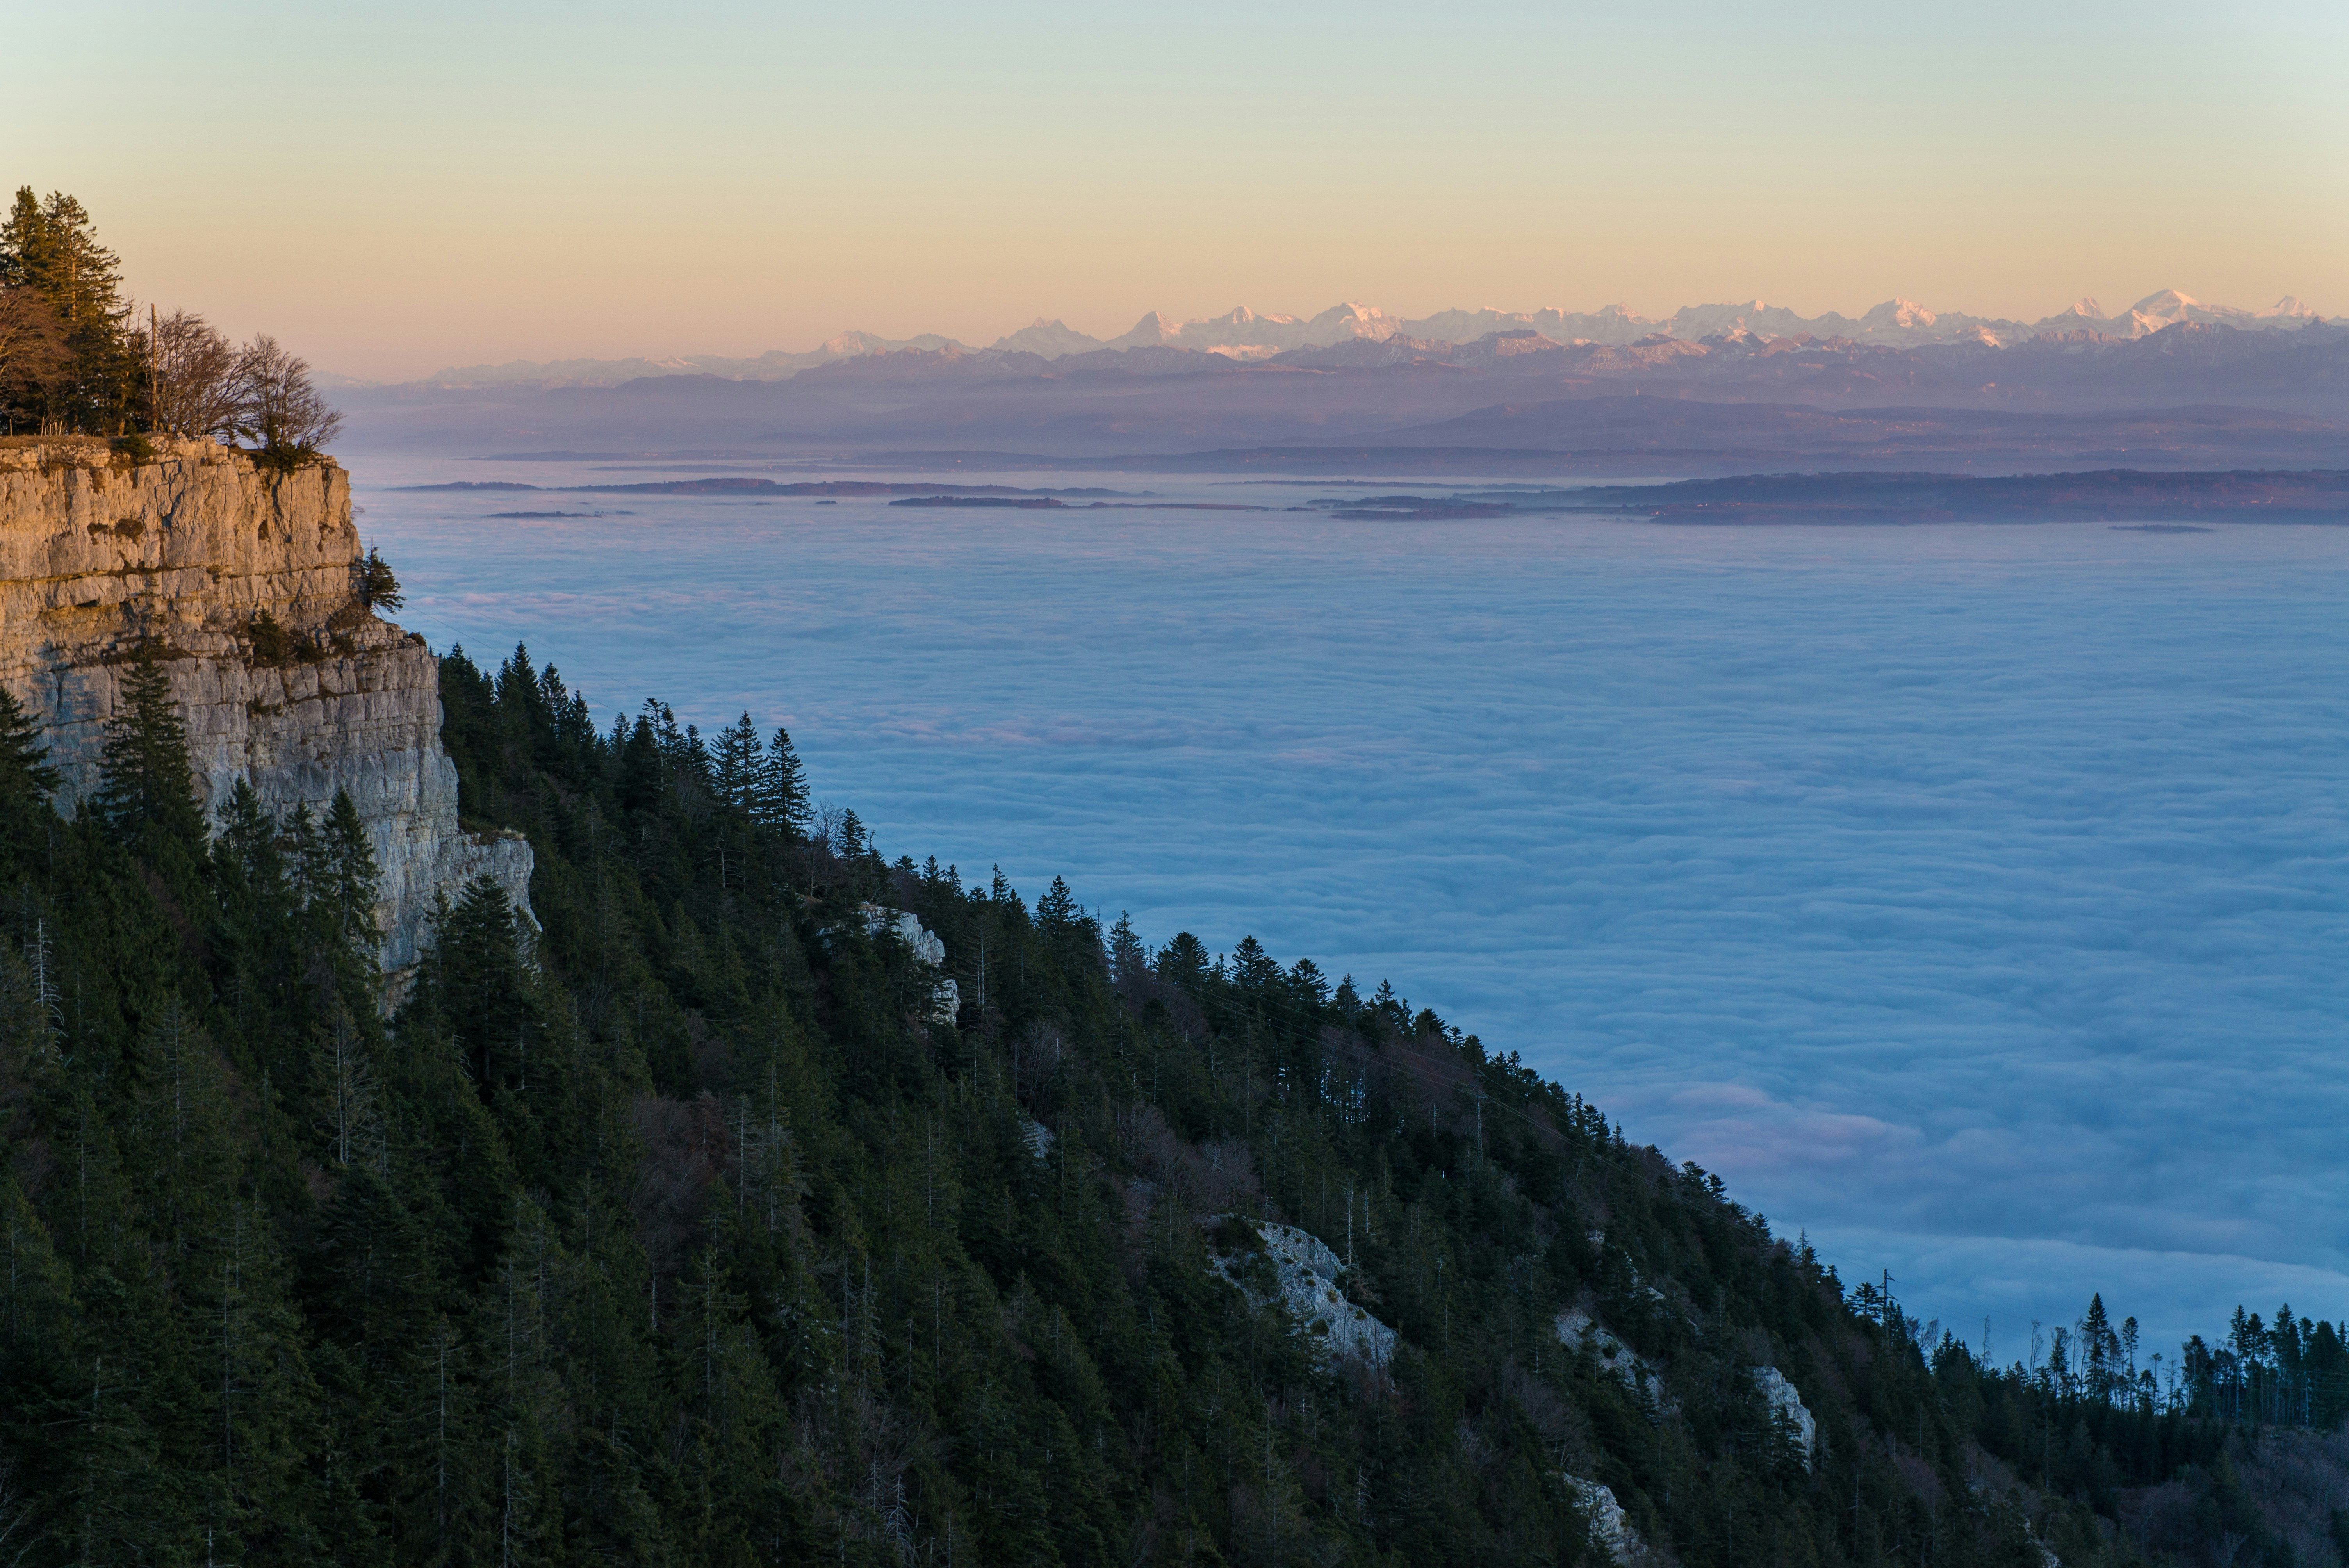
x: 1971, y: 898
x: 395, y: 188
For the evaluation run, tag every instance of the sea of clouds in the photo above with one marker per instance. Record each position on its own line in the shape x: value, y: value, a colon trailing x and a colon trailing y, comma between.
x: 1971, y: 897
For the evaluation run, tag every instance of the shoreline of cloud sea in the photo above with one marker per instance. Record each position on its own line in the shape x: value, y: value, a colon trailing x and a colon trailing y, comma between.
x: 1957, y: 883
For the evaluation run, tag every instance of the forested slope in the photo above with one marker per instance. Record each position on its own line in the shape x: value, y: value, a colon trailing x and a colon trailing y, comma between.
x: 685, y: 1229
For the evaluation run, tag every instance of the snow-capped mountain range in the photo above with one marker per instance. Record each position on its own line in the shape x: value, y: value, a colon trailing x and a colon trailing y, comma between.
x: 1242, y: 333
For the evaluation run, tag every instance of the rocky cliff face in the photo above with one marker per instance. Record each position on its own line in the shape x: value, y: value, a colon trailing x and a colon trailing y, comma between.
x: 98, y: 554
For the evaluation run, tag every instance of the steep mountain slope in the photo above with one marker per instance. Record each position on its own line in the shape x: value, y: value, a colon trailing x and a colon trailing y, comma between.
x: 709, y: 1225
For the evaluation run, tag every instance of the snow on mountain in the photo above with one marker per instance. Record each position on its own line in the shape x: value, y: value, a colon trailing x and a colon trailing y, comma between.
x: 1615, y: 324
x: 1052, y: 339
x: 1244, y: 334
x: 1156, y: 330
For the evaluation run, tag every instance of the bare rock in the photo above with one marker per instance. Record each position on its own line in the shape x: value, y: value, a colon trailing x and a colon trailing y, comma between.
x: 1610, y: 1531
x: 1786, y: 1405
x: 100, y: 554
x: 1307, y: 1271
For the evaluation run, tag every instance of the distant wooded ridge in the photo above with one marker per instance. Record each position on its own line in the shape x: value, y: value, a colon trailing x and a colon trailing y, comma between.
x: 2112, y: 494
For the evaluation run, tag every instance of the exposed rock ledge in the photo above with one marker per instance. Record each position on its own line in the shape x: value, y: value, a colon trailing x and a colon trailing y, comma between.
x: 1787, y: 1405
x: 98, y: 554
x: 1610, y: 1529
x: 1306, y: 1274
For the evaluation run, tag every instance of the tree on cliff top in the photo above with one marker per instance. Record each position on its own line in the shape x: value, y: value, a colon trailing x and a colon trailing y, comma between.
x: 191, y: 372
x: 32, y: 356
x: 144, y: 775
x: 51, y: 246
x: 277, y: 405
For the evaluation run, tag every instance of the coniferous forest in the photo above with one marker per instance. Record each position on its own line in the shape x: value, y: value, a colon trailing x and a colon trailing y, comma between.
x: 684, y: 1226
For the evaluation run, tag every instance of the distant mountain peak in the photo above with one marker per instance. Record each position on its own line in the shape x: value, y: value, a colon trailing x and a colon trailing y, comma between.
x: 1899, y: 312
x: 1052, y: 339
x: 1244, y: 334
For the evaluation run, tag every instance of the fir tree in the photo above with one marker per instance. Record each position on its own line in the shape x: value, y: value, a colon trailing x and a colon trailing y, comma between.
x: 734, y: 766
x: 781, y: 802
x: 27, y: 780
x: 343, y: 893
x: 373, y: 584
x: 144, y: 776
x: 51, y: 246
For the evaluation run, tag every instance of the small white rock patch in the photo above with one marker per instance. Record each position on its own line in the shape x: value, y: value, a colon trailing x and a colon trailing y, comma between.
x: 1609, y: 1531
x: 1577, y: 1328
x: 1787, y: 1403
x: 1307, y: 1271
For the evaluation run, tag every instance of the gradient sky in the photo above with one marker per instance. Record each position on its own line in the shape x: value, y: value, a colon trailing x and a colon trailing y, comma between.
x: 392, y: 189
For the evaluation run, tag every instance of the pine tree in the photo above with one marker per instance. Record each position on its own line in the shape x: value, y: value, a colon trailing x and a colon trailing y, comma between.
x: 373, y: 584
x: 486, y: 999
x: 27, y: 780
x: 346, y: 893
x: 1128, y: 958
x: 781, y: 801
x: 52, y: 247
x: 735, y: 765
x: 144, y: 776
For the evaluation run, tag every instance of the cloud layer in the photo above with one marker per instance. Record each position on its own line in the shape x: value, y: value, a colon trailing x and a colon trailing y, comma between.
x: 1972, y: 896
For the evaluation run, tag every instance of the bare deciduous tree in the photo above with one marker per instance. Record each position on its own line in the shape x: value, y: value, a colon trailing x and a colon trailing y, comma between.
x: 277, y: 405
x: 190, y: 376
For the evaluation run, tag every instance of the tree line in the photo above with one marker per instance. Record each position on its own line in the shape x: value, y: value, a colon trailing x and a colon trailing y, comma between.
x: 674, y: 1225
x: 78, y: 356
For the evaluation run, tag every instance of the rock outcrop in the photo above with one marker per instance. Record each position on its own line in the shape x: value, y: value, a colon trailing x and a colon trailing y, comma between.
x: 1305, y: 1278
x: 1577, y: 1328
x: 241, y: 581
x: 929, y: 947
x: 1610, y: 1529
x: 1787, y: 1405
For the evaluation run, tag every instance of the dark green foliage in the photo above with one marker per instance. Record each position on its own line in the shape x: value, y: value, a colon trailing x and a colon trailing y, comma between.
x: 778, y: 801
x: 51, y: 247
x: 677, y: 1228
x: 373, y: 584
x: 145, y: 781
x: 27, y: 780
x: 271, y: 643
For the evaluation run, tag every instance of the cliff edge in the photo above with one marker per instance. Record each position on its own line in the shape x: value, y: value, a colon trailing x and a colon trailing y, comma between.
x: 242, y: 578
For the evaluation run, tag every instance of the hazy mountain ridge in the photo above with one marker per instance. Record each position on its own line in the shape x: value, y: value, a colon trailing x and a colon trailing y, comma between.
x: 2192, y: 395
x: 1242, y: 333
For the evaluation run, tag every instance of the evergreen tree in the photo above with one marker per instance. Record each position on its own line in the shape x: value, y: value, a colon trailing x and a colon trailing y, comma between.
x: 373, y: 584
x: 52, y: 246
x: 734, y: 767
x: 680, y: 1227
x: 27, y: 780
x: 780, y: 803
x: 144, y: 776
x: 347, y: 888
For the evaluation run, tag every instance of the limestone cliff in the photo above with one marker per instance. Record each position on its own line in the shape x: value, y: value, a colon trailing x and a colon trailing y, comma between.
x: 191, y: 550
